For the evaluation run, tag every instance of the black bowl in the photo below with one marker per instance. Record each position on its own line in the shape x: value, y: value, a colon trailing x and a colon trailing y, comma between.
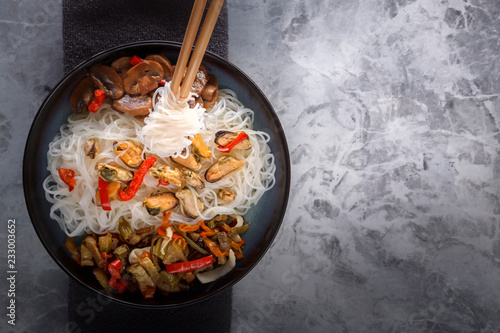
x: 265, y: 217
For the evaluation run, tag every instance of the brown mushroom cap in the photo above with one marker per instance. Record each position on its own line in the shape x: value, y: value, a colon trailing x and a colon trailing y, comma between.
x: 143, y: 78
x: 200, y: 80
x: 107, y: 79
x: 135, y: 106
x: 82, y: 95
x: 122, y: 65
x: 168, y: 69
x: 211, y: 92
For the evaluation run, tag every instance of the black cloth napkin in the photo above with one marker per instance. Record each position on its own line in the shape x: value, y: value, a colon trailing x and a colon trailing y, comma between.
x: 90, y: 27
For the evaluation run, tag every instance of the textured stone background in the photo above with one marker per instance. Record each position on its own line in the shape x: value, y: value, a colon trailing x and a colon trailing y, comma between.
x: 391, y: 110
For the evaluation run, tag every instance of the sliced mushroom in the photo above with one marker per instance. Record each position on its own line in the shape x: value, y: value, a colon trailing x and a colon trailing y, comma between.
x: 91, y: 148
x: 210, y: 92
x: 192, y: 178
x: 160, y: 202
x: 224, y: 166
x: 223, y: 138
x: 114, y: 173
x: 168, y: 174
x: 82, y: 95
x: 143, y: 78
x: 122, y: 65
x: 190, y: 204
x: 191, y: 162
x: 195, y: 100
x: 130, y: 152
x: 200, y: 80
x: 168, y: 69
x: 108, y: 80
x: 226, y: 195
x: 134, y: 106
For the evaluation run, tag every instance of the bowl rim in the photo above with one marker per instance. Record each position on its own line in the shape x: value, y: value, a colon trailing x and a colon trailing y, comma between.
x: 68, y: 77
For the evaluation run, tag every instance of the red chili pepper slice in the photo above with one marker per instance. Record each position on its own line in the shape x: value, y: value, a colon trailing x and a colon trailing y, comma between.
x: 145, y: 254
x: 136, y: 180
x: 114, y: 268
x: 68, y: 177
x: 103, y: 194
x: 227, y: 148
x: 162, y: 82
x: 181, y: 267
x: 135, y: 60
x: 99, y: 98
x: 120, y: 285
x: 162, y: 183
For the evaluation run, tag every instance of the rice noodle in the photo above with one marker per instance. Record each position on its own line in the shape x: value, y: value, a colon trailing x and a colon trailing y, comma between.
x: 76, y: 211
x: 170, y: 124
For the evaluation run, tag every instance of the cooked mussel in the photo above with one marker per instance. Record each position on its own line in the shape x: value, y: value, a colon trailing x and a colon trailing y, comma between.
x: 167, y: 174
x: 161, y: 202
x: 190, y: 204
x: 226, y: 195
x: 223, y: 138
x: 114, y: 173
x: 191, y: 162
x: 224, y: 166
x: 91, y: 148
x: 130, y: 152
x: 192, y: 178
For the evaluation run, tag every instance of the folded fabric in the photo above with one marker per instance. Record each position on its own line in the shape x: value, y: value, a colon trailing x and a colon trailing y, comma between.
x: 93, y: 26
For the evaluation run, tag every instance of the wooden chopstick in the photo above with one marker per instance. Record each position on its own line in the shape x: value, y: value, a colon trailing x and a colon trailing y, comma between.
x: 187, y: 44
x: 201, y: 46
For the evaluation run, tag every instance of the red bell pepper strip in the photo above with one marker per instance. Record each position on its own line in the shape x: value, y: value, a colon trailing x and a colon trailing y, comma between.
x: 115, y: 281
x: 137, y: 179
x: 118, y: 284
x: 181, y: 267
x: 103, y: 194
x: 161, y: 232
x: 145, y: 254
x: 227, y: 148
x: 189, y: 227
x: 68, y: 177
x: 99, y: 98
x: 135, y: 60
x: 114, y: 268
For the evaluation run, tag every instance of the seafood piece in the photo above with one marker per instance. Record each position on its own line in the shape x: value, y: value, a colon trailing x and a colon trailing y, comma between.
x: 114, y: 173
x: 192, y: 178
x: 167, y: 174
x: 158, y: 203
x: 191, y: 162
x: 130, y: 152
x: 190, y: 204
x: 226, y: 195
x: 224, y: 166
x: 91, y: 148
x: 199, y: 147
x: 224, y: 138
